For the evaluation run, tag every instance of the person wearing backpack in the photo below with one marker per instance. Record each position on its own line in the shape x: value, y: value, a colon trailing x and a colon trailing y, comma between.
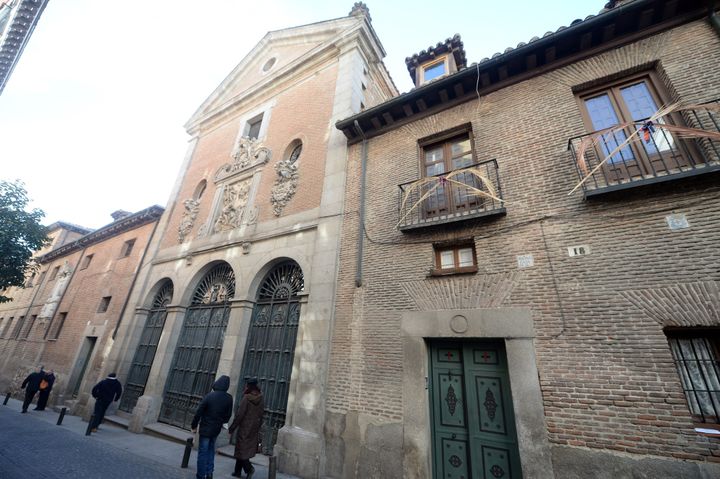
x: 46, y: 385
x: 31, y: 385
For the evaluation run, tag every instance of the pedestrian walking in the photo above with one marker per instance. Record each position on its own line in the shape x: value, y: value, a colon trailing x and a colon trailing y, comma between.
x: 31, y: 385
x: 104, y: 392
x: 46, y: 385
x: 213, y: 411
x: 247, y: 422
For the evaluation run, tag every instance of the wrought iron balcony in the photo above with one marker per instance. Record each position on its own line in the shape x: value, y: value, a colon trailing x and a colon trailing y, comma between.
x: 458, y: 195
x: 652, y: 157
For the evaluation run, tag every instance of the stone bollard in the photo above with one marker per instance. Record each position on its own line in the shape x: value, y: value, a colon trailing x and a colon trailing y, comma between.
x: 186, y: 454
x: 62, y: 416
x: 272, y: 467
x: 90, y: 423
x: 7, y: 398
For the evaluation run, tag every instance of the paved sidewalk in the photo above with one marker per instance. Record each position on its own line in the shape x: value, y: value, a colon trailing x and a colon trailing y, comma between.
x: 159, y: 450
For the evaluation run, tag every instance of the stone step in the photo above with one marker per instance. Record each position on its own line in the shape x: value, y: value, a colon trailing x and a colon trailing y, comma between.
x: 165, y: 431
x: 118, y: 420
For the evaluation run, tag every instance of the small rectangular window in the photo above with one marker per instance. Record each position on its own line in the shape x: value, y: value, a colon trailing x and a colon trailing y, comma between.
x: 30, y: 281
x: 127, y: 248
x: 104, y: 303
x: 6, y: 331
x: 252, y: 129
x: 452, y: 259
x: 86, y: 261
x: 53, y: 330
x: 18, y: 327
x: 28, y: 327
x: 697, y: 359
x: 54, y: 273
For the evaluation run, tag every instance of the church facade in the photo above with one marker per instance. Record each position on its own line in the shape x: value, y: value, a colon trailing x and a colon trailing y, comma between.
x: 241, y: 277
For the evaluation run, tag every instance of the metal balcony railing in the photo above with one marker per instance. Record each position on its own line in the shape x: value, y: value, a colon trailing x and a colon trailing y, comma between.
x: 451, y: 196
x: 664, y: 156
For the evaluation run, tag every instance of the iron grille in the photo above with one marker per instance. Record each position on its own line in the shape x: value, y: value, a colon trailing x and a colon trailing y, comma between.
x: 197, y: 353
x: 271, y: 345
x: 662, y: 157
x: 698, y: 364
x: 145, y: 352
x: 439, y: 202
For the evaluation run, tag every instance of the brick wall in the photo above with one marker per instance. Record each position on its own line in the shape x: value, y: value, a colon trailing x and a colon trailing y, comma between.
x: 607, y: 376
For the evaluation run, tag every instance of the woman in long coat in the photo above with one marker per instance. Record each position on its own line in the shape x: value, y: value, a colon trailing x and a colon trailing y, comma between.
x: 247, y: 422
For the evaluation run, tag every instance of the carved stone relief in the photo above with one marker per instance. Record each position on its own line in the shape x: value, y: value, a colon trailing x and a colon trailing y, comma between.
x: 188, y: 219
x: 62, y: 279
x: 248, y: 152
x: 286, y: 183
x: 234, y: 200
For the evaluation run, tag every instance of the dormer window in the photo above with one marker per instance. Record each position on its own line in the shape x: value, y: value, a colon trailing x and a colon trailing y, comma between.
x: 434, y: 70
x: 438, y: 61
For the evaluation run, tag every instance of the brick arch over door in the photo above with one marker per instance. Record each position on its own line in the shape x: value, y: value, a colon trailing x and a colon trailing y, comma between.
x: 270, y: 346
x: 199, y: 345
x: 145, y: 352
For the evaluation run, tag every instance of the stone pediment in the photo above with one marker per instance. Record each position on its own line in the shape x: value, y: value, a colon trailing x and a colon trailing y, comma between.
x: 291, y: 47
x: 246, y: 155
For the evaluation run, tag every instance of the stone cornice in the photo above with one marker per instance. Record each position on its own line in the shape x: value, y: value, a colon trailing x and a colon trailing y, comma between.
x: 16, y: 35
x: 131, y: 222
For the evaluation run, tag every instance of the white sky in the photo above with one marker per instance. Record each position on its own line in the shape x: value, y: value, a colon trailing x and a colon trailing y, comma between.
x: 91, y: 119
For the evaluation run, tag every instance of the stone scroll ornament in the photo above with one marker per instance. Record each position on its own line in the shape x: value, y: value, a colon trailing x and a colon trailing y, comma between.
x: 235, y: 198
x: 248, y: 152
x: 192, y: 207
x: 286, y: 183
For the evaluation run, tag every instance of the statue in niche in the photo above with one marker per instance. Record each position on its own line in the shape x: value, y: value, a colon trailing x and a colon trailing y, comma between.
x: 192, y: 207
x: 235, y: 198
x: 286, y: 183
x: 246, y: 153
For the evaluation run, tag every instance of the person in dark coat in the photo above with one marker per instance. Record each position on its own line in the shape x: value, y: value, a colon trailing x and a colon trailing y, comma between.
x: 104, y: 392
x: 31, y: 385
x: 213, y: 411
x: 49, y: 380
x: 247, y: 422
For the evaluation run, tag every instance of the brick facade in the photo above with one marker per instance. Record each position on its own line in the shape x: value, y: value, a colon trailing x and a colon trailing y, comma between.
x: 68, y: 289
x: 606, y: 372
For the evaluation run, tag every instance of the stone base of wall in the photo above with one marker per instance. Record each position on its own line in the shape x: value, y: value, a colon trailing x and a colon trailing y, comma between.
x: 298, y: 452
x: 577, y: 463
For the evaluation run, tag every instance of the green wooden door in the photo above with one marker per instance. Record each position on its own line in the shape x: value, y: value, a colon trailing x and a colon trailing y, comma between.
x: 472, y: 415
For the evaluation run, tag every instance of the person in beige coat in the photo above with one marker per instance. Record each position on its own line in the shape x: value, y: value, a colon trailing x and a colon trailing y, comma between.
x: 247, y: 422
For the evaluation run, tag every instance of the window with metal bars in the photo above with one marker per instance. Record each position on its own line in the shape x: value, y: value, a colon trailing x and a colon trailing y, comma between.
x: 697, y: 358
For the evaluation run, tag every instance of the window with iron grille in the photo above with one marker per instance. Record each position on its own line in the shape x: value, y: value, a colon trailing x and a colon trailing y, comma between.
x: 697, y: 358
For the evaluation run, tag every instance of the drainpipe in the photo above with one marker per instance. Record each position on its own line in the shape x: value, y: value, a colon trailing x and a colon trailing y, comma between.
x: 361, y: 212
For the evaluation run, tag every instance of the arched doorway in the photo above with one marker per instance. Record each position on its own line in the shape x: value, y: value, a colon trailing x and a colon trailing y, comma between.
x: 271, y: 345
x: 145, y: 352
x: 198, y: 348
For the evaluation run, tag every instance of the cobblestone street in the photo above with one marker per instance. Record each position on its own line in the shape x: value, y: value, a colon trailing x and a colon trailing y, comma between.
x: 31, y: 445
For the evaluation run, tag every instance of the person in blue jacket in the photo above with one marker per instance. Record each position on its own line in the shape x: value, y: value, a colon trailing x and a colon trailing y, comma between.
x: 213, y: 411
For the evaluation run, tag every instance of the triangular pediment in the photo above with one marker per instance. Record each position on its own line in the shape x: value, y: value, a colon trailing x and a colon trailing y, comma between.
x: 288, y: 47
